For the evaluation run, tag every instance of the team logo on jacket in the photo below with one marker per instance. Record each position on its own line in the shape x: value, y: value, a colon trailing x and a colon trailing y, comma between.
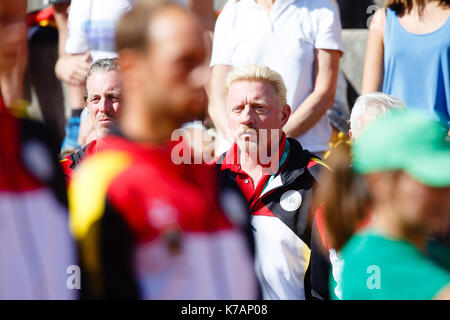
x: 291, y: 200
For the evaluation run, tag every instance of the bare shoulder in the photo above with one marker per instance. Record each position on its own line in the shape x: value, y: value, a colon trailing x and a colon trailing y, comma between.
x: 378, y: 20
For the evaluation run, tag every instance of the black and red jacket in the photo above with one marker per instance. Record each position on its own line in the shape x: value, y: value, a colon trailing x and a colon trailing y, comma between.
x: 282, y: 220
x: 70, y: 162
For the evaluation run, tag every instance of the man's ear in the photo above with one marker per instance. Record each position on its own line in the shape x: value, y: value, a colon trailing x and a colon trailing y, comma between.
x: 350, y: 134
x: 285, y: 114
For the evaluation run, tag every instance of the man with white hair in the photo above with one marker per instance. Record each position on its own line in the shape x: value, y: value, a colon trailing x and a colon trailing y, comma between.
x: 366, y: 109
x: 276, y: 175
x: 370, y: 106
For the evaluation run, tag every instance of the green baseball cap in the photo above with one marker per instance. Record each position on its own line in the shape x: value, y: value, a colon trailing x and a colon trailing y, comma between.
x: 407, y: 141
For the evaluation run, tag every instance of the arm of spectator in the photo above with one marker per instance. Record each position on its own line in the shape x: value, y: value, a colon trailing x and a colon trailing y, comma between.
x: 75, y: 96
x: 221, y: 63
x: 61, y: 16
x: 74, y: 57
x: 72, y: 68
x: 14, y: 53
x: 217, y: 98
x: 321, y: 98
x: 12, y: 81
x: 374, y: 62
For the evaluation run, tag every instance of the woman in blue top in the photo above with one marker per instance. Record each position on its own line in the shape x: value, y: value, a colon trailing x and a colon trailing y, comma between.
x: 408, y: 55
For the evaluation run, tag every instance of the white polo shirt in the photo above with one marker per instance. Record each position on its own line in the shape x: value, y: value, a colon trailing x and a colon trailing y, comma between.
x: 92, y: 25
x: 284, y: 40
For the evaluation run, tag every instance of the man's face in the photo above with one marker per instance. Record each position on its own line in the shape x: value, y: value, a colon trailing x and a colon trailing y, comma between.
x: 174, y: 69
x: 104, y: 98
x: 13, y: 32
x: 251, y: 107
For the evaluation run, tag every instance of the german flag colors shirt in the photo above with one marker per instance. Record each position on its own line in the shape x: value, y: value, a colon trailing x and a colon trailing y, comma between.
x: 151, y: 229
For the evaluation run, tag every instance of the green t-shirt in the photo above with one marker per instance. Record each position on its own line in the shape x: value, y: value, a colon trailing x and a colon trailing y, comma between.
x: 380, y: 268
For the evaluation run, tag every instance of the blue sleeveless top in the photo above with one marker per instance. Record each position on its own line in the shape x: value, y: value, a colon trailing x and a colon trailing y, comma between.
x: 417, y: 67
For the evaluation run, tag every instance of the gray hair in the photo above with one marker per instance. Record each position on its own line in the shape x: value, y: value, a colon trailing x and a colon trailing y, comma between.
x: 370, y: 106
x: 100, y: 65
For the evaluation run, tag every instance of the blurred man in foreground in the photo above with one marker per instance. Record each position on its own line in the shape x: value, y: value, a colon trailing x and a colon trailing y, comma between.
x: 148, y: 228
x: 36, y: 249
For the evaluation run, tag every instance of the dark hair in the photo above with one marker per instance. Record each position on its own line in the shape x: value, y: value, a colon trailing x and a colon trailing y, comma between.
x: 132, y: 28
x: 343, y: 197
x: 101, y: 65
x: 405, y: 6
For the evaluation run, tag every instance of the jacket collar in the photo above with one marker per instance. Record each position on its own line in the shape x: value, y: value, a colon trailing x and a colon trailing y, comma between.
x: 296, y: 162
x: 294, y: 166
x: 231, y: 161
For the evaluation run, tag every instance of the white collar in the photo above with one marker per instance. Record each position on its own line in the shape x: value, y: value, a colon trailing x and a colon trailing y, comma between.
x: 277, y: 4
x: 277, y: 8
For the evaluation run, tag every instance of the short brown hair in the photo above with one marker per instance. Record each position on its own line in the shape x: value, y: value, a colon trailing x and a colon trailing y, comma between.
x: 132, y: 28
x: 404, y: 6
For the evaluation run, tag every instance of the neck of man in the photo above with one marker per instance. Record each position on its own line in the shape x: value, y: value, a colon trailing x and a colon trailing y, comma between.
x: 140, y: 122
x: 266, y: 4
x: 388, y: 222
x: 252, y: 163
x: 249, y: 163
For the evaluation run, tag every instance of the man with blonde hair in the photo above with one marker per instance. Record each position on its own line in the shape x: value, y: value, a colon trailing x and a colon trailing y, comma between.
x: 275, y: 174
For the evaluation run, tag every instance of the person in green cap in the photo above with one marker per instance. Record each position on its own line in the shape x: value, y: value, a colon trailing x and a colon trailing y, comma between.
x: 400, y: 175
